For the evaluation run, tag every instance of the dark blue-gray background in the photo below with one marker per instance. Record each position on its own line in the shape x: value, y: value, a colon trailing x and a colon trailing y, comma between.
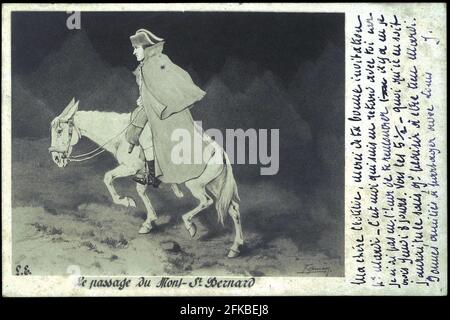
x: 260, y: 70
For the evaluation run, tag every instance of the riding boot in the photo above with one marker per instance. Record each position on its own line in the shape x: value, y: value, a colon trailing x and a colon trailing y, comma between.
x: 148, y: 177
x: 152, y: 179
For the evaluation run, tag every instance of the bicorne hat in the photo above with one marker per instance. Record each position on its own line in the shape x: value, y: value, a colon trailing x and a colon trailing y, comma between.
x: 144, y: 38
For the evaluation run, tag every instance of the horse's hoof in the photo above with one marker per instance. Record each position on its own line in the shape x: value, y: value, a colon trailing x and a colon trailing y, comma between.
x: 233, y: 253
x: 131, y: 203
x: 145, y: 229
x: 177, y: 191
x: 192, y: 230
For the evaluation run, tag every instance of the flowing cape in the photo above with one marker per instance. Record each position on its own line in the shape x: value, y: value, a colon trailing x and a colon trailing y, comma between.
x: 167, y: 92
x: 167, y: 83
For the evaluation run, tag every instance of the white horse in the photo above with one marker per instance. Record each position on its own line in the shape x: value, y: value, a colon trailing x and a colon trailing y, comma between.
x: 107, y: 130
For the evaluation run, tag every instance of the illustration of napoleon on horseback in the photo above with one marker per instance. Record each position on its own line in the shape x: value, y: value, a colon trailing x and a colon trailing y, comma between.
x: 142, y: 142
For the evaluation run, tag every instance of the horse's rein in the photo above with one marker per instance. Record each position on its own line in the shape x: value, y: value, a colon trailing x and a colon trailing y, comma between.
x: 88, y: 155
x: 97, y: 151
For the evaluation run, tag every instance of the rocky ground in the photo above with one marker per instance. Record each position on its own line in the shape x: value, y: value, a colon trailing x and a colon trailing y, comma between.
x: 64, y: 219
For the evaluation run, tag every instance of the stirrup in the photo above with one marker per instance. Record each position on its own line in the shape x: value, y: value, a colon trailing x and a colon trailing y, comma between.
x: 142, y: 180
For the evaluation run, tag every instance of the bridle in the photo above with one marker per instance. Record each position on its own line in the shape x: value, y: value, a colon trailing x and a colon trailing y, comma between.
x: 88, y: 155
x: 71, y: 126
x: 65, y: 152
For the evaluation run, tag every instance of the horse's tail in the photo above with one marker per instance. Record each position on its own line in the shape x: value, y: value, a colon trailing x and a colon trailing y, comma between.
x: 228, y: 191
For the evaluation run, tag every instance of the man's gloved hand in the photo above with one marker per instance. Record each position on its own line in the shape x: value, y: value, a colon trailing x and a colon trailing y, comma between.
x: 130, y: 148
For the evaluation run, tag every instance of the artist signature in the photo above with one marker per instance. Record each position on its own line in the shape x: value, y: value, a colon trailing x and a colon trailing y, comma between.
x: 311, y: 268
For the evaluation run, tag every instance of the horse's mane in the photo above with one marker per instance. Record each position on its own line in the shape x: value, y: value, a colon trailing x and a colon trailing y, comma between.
x: 102, y: 123
x: 103, y: 113
x: 109, y: 116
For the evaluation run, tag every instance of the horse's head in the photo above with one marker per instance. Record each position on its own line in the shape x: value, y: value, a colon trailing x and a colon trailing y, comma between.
x: 63, y: 138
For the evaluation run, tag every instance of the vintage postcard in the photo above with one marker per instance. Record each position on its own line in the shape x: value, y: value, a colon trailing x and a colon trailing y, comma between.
x: 224, y: 149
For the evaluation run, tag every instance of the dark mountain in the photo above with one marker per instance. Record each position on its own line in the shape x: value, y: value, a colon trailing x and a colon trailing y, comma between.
x: 76, y: 70
x: 318, y: 93
x: 242, y: 95
x: 30, y: 115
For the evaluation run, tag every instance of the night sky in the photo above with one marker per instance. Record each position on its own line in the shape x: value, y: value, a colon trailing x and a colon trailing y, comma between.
x: 277, y: 42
